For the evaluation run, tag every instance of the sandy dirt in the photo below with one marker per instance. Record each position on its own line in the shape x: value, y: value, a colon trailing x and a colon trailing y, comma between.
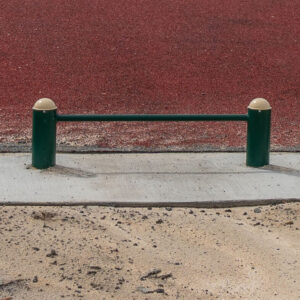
x: 141, y: 253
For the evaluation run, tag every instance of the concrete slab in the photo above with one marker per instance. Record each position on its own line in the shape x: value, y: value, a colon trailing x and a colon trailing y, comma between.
x: 171, y: 179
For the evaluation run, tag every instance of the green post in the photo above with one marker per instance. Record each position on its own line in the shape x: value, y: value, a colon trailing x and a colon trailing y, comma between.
x: 258, y: 135
x: 44, y: 134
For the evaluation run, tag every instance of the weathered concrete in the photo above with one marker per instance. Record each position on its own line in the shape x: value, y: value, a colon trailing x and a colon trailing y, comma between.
x: 181, y: 179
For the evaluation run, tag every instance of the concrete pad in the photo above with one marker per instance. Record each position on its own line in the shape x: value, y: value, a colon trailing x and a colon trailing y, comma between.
x: 156, y: 179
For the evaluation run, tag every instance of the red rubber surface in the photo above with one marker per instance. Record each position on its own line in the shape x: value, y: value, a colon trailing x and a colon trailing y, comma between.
x: 150, y: 56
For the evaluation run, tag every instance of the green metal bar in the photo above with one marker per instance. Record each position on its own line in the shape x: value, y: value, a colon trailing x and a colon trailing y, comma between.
x: 43, y: 138
x: 112, y: 118
x: 258, y: 137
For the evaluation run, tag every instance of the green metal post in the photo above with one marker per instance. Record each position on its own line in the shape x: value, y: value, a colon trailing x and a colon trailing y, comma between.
x: 258, y: 135
x: 44, y: 134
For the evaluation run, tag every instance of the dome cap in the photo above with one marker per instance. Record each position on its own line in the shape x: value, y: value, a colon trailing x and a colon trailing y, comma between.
x: 259, y: 104
x: 44, y: 104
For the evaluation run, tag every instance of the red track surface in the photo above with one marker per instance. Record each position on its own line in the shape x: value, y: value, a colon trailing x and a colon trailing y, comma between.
x: 150, y: 56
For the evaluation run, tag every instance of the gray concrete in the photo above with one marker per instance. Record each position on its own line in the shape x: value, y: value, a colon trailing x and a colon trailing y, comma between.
x: 182, y: 179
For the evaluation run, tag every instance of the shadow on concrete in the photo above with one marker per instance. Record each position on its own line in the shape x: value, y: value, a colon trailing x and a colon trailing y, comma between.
x: 282, y: 170
x: 66, y: 171
x: 73, y: 172
x: 176, y: 173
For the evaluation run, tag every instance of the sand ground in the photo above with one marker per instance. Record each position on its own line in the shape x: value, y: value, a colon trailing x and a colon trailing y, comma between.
x: 141, y: 253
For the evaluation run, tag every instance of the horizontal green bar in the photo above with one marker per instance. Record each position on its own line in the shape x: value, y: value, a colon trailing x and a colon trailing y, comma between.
x: 113, y: 118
